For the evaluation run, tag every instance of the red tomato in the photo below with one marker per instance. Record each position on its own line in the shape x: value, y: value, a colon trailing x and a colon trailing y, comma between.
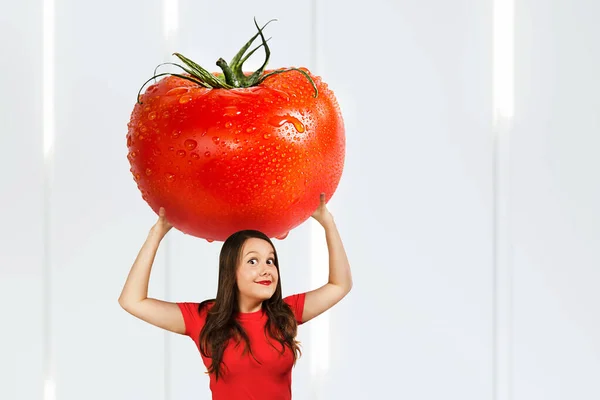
x: 222, y: 154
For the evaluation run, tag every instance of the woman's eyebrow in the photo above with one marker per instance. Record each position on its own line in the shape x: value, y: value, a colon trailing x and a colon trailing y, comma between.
x: 253, y: 251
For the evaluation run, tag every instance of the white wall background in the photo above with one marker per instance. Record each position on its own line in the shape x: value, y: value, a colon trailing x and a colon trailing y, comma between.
x: 475, y: 246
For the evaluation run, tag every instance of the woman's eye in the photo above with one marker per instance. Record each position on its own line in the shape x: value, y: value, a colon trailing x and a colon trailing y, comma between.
x: 270, y: 261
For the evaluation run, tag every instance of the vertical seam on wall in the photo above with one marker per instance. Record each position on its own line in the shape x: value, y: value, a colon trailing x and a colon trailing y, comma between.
x: 496, y: 268
x: 170, y: 10
x: 47, y: 131
x: 503, y: 98
x: 503, y: 273
x: 313, y: 36
x: 167, y: 336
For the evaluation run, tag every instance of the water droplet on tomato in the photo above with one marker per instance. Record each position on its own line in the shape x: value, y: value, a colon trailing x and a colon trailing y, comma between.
x: 228, y: 124
x: 207, y: 154
x: 177, y: 91
x: 281, y: 237
x: 166, y: 115
x: 185, y: 99
x: 210, y: 240
x: 175, y: 134
x: 156, y: 152
x: 281, y: 93
x: 190, y: 144
x: 170, y: 177
x: 267, y: 135
x: 148, y: 171
x: 171, y: 148
x: 231, y: 111
x: 216, y: 139
x: 195, y: 156
x: 278, y: 121
x: 298, y: 125
x: 250, y: 129
x: 152, y: 116
x: 181, y: 153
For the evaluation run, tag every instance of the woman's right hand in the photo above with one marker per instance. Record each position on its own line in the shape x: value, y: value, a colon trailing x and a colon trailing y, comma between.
x: 162, y: 226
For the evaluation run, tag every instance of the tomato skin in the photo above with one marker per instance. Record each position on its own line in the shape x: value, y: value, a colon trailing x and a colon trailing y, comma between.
x: 223, y: 160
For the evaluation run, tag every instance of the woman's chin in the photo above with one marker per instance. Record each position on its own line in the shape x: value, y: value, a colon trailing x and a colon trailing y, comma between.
x: 264, y: 295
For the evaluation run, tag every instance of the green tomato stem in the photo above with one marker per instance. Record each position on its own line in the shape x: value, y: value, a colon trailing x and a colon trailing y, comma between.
x: 233, y: 75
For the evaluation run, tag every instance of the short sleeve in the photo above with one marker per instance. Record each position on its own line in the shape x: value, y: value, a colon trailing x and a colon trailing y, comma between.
x: 296, y: 302
x: 192, y: 318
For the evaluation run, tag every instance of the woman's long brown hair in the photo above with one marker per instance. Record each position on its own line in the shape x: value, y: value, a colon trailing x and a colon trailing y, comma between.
x: 221, y: 326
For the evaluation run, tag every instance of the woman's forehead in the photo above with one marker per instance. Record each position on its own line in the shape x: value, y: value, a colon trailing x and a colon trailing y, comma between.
x: 258, y: 246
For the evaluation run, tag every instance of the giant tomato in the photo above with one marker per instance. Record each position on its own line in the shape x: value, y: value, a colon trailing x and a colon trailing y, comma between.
x: 222, y: 152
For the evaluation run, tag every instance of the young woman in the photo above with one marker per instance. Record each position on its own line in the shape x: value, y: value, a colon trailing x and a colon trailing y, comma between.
x: 246, y: 336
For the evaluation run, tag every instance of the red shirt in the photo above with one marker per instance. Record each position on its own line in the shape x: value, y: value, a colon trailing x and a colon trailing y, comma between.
x: 243, y: 377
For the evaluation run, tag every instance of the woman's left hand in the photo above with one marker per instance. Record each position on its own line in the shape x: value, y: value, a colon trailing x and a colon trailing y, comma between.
x: 322, y: 214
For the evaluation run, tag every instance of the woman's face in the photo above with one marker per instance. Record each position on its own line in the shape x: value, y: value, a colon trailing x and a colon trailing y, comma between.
x: 256, y: 273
